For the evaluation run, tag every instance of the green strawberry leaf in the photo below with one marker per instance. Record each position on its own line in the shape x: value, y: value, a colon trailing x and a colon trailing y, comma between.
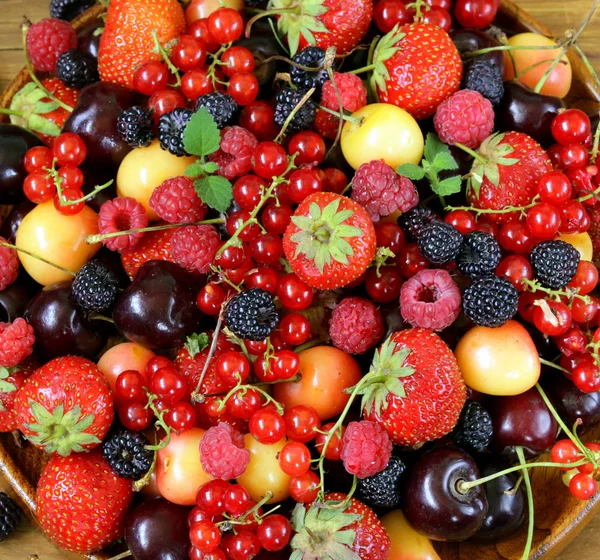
x: 386, y: 48
x: 411, y: 171
x: 215, y: 191
x: 42, y: 125
x: 6, y: 386
x: 201, y: 136
x: 196, y: 343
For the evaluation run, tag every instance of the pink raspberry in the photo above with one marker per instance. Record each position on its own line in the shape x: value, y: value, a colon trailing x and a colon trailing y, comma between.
x: 464, y: 118
x: 356, y: 325
x: 222, y: 452
x: 194, y: 247
x: 122, y: 214
x: 367, y: 448
x: 378, y: 188
x: 47, y: 40
x: 16, y: 342
x: 9, y: 265
x: 430, y: 300
x: 176, y: 201
x: 234, y: 157
x: 352, y: 91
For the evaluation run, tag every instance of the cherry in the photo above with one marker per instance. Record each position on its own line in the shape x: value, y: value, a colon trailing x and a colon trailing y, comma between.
x: 226, y: 25
x: 151, y: 77
x: 275, y: 219
x: 389, y: 13
x: 295, y: 329
x: 259, y: 118
x: 571, y: 127
x: 37, y: 158
x: 196, y: 83
x: 135, y: 416
x: 301, y: 423
x: 335, y: 180
x: 265, y: 278
x: 462, y: 220
x: 303, y: 182
x: 554, y: 187
x: 269, y: 160
x: 515, y: 269
x: 475, y: 13
x: 385, y: 287
x: 266, y: 248
x: 243, y: 88
x: 274, y: 533
x: 410, y: 261
x: 181, y: 416
x: 293, y: 293
x: 267, y: 426
x: 390, y: 235
x: 309, y: 148
x: 438, y: 16
x: 304, y: 488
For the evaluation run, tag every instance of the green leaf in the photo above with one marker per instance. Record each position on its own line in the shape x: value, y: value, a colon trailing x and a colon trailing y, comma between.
x: 433, y: 146
x: 194, y: 170
x: 5, y: 386
x: 201, y: 136
x: 443, y: 161
x: 196, y: 343
x: 43, y: 107
x: 211, y: 167
x: 43, y: 126
x: 411, y: 171
x: 446, y: 187
x: 41, y: 415
x: 215, y: 191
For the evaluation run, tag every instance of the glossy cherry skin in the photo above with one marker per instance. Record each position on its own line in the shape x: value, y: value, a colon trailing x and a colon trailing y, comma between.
x: 434, y: 506
x: 159, y: 308
x: 88, y: 39
x: 469, y: 40
x: 11, y: 223
x: 61, y: 328
x: 156, y: 529
x: 570, y: 402
x: 13, y: 301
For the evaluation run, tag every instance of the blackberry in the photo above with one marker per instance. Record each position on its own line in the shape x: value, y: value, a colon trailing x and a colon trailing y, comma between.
x: 479, y: 254
x: 95, y: 287
x: 383, y: 489
x: 10, y: 516
x: 490, y: 301
x: 312, y: 57
x: 69, y: 9
x: 555, y: 263
x: 127, y: 454
x: 134, y: 126
x: 485, y: 77
x: 170, y: 130
x: 439, y: 242
x: 286, y: 101
x: 473, y: 431
x: 76, y: 69
x: 221, y: 106
x: 413, y: 220
x: 251, y: 314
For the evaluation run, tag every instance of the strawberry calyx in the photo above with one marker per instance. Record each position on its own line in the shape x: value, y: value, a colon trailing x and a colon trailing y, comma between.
x: 386, y: 48
x: 322, y: 532
x: 7, y: 386
x: 59, y: 431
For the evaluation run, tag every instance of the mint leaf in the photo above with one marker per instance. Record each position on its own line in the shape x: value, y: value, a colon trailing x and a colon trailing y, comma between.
x: 446, y: 187
x: 433, y: 146
x: 443, y: 161
x: 196, y: 343
x: 412, y: 171
x: 215, y: 191
x: 201, y: 136
x: 194, y: 170
x: 211, y: 167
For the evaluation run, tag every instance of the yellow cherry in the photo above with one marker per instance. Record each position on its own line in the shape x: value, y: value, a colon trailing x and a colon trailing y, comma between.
x: 144, y: 169
x: 59, y: 239
x: 406, y: 543
x: 582, y: 242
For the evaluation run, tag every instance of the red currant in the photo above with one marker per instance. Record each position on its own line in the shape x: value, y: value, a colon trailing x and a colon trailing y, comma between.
x: 583, y: 487
x: 543, y: 221
x: 585, y: 279
x: 236, y: 500
x: 269, y: 160
x: 37, y: 158
x: 66, y: 204
x: 39, y: 187
x: 295, y: 329
x: 248, y: 190
x: 266, y: 248
x: 135, y: 416
x: 244, y: 404
x: 259, y: 118
x: 274, y: 533
x: 164, y: 101
x: 156, y: 363
x: 275, y: 219
x: 232, y: 367
x: 151, y: 77
x: 410, y: 261
x: 169, y: 385
x: 515, y: 237
x: 301, y: 423
x: 586, y: 377
x: 335, y: 180
x: 241, y: 546
x: 196, y: 83
x: 552, y: 318
x: 199, y: 29
x: 462, y: 220
x: 226, y: 25
x: 211, y: 496
x: 69, y: 149
x: 475, y: 13
x: 515, y: 269
x: 571, y: 127
x: 293, y: 293
x: 72, y: 177
x: 294, y: 458
x: 205, y: 536
x: 390, y: 235
x: 554, y: 187
x: 188, y: 53
x: 264, y: 278
x: 334, y: 449
x: 235, y: 220
x: 267, y: 426
x: 389, y: 13
x: 210, y: 299
x: 243, y: 88
x: 304, y: 488
x: 181, y: 416
x: 130, y: 386
x: 438, y: 16
x: 309, y: 148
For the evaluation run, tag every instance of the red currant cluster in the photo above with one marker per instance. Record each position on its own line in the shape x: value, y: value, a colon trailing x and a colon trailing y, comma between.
x: 581, y: 472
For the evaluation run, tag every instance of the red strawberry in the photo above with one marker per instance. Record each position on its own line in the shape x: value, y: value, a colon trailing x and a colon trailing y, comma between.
x: 320, y: 528
x: 65, y: 406
x: 507, y: 173
x: 424, y: 392
x: 127, y: 38
x: 80, y: 503
x: 154, y: 246
x: 330, y: 241
x: 416, y: 68
x: 325, y: 23
x: 11, y: 380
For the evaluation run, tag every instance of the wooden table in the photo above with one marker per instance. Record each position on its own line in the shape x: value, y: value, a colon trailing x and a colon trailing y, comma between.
x: 559, y: 15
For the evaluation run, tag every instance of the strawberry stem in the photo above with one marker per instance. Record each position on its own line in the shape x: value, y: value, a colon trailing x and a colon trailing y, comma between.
x: 11, y: 112
x: 362, y: 69
x: 26, y: 252
x: 471, y: 152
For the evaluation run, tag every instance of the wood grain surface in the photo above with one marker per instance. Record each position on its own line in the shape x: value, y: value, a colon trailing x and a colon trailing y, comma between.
x: 28, y: 543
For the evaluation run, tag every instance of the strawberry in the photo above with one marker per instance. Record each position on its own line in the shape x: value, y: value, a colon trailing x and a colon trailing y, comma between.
x: 11, y: 380
x: 65, y: 406
x: 330, y: 241
x: 506, y: 173
x: 416, y: 68
x: 80, y: 503
x: 417, y: 391
x: 353, y: 532
x: 127, y: 39
x: 594, y: 232
x: 325, y: 23
x: 154, y: 246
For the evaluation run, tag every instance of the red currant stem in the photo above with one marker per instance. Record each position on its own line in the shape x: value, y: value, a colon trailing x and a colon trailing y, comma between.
x: 338, y: 115
x: 236, y: 340
x: 58, y: 181
x: 165, y: 56
x: 145, y: 480
x: 98, y: 237
x: 244, y: 388
x: 363, y: 69
x: 293, y: 113
x: 198, y: 397
x: 215, y: 60
x: 594, y: 193
x: 227, y: 281
x: 34, y: 78
x: 125, y: 554
x: 160, y: 423
x: 266, y: 13
x: 472, y: 153
x: 343, y: 504
x: 534, y: 286
x: 418, y: 6
x: 531, y: 510
x: 26, y: 252
x: 532, y: 66
x: 505, y: 210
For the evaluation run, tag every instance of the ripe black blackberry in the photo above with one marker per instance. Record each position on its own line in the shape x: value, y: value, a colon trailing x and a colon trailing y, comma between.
x: 134, y: 126
x: 69, y: 9
x: 485, y: 77
x: 312, y: 57
x: 473, y: 431
x: 490, y: 301
x: 252, y: 314
x: 554, y: 263
x: 221, y: 106
x: 286, y: 101
x: 413, y: 220
x: 439, y: 242
x: 95, y: 287
x: 127, y: 454
x: 383, y: 489
x: 170, y: 130
x: 479, y: 255
x: 76, y: 69
x: 10, y: 516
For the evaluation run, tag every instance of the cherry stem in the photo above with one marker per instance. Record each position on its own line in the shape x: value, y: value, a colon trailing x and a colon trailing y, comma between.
x: 348, y: 118
x: 366, y: 68
x: 529, y: 493
x: 534, y: 286
x: 532, y: 66
x: 145, y: 480
x: 293, y: 113
x: 472, y: 153
x: 592, y: 71
x: 26, y: 252
x: 198, y: 397
x: 165, y: 56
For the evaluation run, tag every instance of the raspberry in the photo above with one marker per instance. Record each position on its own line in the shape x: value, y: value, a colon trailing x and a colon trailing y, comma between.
x: 465, y: 118
x: 47, y: 40
x: 16, y: 342
x: 356, y: 325
x: 234, y: 157
x: 9, y: 265
x: 367, y: 448
x: 122, y: 214
x: 222, y: 452
x: 352, y: 90
x: 378, y: 188
x: 176, y: 201
x: 430, y: 300
x: 194, y: 247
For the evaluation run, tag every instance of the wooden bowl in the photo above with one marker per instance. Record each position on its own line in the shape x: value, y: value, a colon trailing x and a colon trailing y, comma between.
x: 558, y: 516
